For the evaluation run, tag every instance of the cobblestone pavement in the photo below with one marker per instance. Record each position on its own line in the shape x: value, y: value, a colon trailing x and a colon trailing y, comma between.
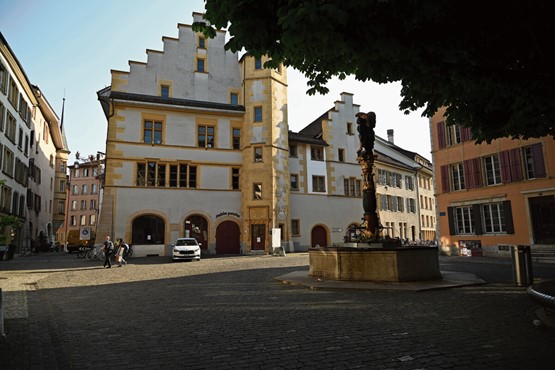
x: 229, y: 313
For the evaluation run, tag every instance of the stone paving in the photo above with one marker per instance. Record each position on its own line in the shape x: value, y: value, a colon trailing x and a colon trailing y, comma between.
x: 230, y: 313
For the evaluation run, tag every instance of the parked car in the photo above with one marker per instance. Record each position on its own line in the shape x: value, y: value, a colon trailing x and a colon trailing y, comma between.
x: 186, y: 249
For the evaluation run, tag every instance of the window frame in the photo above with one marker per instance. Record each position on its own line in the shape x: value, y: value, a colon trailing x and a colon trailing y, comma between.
x: 318, y: 184
x: 155, y: 132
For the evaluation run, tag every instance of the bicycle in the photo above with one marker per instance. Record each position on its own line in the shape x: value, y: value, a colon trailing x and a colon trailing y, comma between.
x: 95, y: 253
x: 82, y: 251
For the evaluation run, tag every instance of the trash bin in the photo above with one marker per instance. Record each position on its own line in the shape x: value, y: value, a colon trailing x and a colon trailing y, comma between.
x: 522, y: 265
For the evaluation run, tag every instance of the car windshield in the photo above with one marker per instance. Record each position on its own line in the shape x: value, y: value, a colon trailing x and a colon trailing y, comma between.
x: 186, y: 242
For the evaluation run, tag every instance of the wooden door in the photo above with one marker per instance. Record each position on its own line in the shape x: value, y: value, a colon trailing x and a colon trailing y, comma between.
x: 258, y: 237
x: 319, y: 237
x: 542, y: 210
x: 228, y: 238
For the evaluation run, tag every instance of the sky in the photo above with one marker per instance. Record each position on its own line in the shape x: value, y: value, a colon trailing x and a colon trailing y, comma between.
x: 68, y: 47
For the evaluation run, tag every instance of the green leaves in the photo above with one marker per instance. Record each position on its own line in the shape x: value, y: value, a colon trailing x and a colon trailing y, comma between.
x: 489, y: 64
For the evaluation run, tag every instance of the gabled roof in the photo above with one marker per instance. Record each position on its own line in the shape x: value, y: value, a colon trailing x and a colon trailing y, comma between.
x: 306, y: 139
x: 383, y: 158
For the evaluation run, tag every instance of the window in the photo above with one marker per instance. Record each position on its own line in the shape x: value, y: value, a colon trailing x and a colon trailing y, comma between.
x: 20, y: 139
x: 62, y: 186
x: 494, y: 218
x: 83, y: 205
x: 257, y: 191
x: 13, y: 93
x: 457, y: 176
x: 257, y: 63
x: 206, y: 136
x: 8, y: 162
x: 318, y: 183
x: 92, y: 220
x: 61, y: 208
x: 236, y: 140
x: 165, y: 91
x: 464, y: 220
x: 409, y: 182
x: 11, y: 127
x: 152, y: 132
x: 85, y: 189
x: 93, y: 204
x: 352, y: 187
x: 94, y: 188
x: 83, y: 220
x: 258, y: 154
x: 235, y: 178
x: 76, y: 172
x: 453, y: 134
x: 295, y: 227
x: 154, y: 174
x: 63, y: 166
x: 411, y: 205
x: 201, y: 42
x: 533, y: 161
x: 341, y: 155
x: 2, y: 115
x: 317, y: 153
x: 200, y: 65
x: 257, y: 114
x: 73, y: 221
x: 350, y: 128
x: 493, y: 171
x: 293, y: 150
x: 294, y: 182
x: 3, y: 78
x: 74, y: 205
x: 234, y: 99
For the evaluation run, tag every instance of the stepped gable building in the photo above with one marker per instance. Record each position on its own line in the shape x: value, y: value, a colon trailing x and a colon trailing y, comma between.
x: 492, y: 196
x: 198, y: 145
x: 33, y: 158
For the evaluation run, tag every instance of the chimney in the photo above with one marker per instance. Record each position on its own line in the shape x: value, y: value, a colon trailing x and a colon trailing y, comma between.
x: 390, y: 136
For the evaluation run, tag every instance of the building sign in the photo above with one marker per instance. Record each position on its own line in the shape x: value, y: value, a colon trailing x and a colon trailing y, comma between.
x: 221, y: 214
x: 85, y: 233
x: 336, y: 230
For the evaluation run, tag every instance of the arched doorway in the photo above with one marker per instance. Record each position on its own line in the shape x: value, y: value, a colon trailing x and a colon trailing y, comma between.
x: 228, y: 238
x: 319, y: 236
x: 196, y: 227
x: 148, y: 229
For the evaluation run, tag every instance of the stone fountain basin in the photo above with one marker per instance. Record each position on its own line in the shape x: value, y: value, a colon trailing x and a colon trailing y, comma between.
x: 543, y: 293
x: 375, y: 264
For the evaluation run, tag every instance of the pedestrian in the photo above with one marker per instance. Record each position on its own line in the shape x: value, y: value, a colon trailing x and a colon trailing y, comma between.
x: 122, y: 248
x: 108, y: 251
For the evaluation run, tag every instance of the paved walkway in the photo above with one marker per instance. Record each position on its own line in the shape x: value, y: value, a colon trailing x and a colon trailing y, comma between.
x: 231, y: 313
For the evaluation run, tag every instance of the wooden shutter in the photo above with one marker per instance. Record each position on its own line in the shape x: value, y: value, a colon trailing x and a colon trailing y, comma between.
x: 451, y: 220
x: 468, y: 166
x: 477, y: 164
x: 445, y: 179
x: 516, y: 164
x: 441, y: 134
x: 477, y: 216
x: 537, y: 158
x: 505, y: 166
x: 509, y: 226
x: 466, y: 134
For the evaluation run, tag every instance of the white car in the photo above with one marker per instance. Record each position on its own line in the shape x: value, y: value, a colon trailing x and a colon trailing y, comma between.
x: 186, y: 249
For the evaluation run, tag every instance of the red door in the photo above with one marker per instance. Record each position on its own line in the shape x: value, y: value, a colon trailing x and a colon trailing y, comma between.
x: 319, y: 237
x: 228, y: 238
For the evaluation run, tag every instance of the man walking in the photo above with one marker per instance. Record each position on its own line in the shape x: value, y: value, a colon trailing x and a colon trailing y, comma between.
x: 108, y: 251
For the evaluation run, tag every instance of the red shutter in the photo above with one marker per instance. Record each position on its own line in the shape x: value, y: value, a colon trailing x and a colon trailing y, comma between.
x: 441, y: 134
x: 445, y: 179
x: 505, y: 166
x: 466, y: 134
x: 516, y: 164
x: 537, y: 158
x: 478, y: 181
x: 468, y: 174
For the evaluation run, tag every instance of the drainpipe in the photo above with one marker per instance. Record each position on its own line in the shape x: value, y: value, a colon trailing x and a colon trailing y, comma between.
x: 416, y: 183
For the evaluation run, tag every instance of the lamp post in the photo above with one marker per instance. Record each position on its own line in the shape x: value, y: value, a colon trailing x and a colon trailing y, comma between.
x: 68, y: 189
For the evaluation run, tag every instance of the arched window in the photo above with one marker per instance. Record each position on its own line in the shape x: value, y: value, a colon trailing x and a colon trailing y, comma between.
x: 148, y: 229
x: 196, y: 227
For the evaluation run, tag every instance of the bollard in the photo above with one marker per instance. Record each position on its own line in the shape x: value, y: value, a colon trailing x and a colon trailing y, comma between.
x: 1, y: 316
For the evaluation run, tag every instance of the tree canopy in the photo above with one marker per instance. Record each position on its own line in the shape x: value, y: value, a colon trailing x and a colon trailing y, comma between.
x: 488, y: 62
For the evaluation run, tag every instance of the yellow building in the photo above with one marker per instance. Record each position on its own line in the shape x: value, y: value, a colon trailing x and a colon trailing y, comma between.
x: 493, y: 195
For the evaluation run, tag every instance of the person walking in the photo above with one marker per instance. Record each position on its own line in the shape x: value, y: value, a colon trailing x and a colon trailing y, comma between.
x: 108, y: 251
x: 122, y: 248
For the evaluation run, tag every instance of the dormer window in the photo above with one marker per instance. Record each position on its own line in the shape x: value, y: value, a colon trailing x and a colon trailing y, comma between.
x: 165, y: 91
